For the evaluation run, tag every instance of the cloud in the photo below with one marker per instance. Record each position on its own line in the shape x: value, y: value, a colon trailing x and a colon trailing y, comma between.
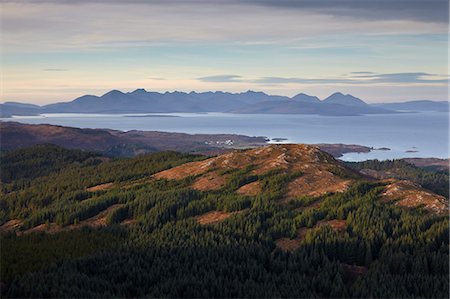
x: 55, y: 70
x: 353, y: 78
x: 31, y: 26
x: 417, y: 10
x: 361, y: 73
x: 418, y: 77
x: 284, y: 80
x: 221, y: 78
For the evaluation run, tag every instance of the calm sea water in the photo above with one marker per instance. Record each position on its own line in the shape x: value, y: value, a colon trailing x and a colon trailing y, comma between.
x: 426, y: 133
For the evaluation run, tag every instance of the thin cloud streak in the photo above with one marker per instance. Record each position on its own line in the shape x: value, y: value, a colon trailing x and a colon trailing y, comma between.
x: 357, y: 78
x: 55, y: 70
x: 361, y: 72
x: 426, y: 11
x: 221, y: 78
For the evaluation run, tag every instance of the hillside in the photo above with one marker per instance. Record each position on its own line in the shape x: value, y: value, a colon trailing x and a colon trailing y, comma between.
x: 430, y: 163
x: 119, y: 143
x: 276, y: 221
x: 9, y: 109
x: 422, y: 172
x: 312, y: 170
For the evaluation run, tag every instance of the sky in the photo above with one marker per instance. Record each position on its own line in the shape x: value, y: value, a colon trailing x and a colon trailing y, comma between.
x: 377, y: 50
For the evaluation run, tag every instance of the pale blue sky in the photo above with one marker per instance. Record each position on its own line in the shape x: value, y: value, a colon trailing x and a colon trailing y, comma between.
x: 59, y: 50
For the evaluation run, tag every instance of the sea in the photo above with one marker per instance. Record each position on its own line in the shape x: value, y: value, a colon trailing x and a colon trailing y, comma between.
x: 424, y: 134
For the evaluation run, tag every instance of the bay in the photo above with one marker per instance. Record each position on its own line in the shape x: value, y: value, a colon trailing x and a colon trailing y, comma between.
x: 407, y: 134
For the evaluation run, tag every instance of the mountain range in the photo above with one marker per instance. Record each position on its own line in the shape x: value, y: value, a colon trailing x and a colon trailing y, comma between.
x: 142, y: 101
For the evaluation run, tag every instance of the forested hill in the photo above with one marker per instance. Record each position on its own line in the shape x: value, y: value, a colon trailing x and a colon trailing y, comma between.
x: 277, y: 221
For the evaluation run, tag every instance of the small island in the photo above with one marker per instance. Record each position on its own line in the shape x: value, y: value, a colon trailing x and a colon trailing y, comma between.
x: 278, y: 139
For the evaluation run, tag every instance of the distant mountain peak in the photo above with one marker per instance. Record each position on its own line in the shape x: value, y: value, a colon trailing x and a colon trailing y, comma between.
x: 254, y: 92
x: 341, y: 99
x: 139, y: 91
x: 176, y: 92
x: 113, y: 92
x: 86, y: 97
x: 302, y: 97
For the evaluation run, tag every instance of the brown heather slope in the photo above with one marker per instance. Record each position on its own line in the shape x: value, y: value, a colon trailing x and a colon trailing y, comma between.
x: 214, y: 217
x: 250, y: 189
x: 100, y: 187
x: 321, y: 173
x: 210, y: 181
x: 411, y: 195
x: 11, y: 225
